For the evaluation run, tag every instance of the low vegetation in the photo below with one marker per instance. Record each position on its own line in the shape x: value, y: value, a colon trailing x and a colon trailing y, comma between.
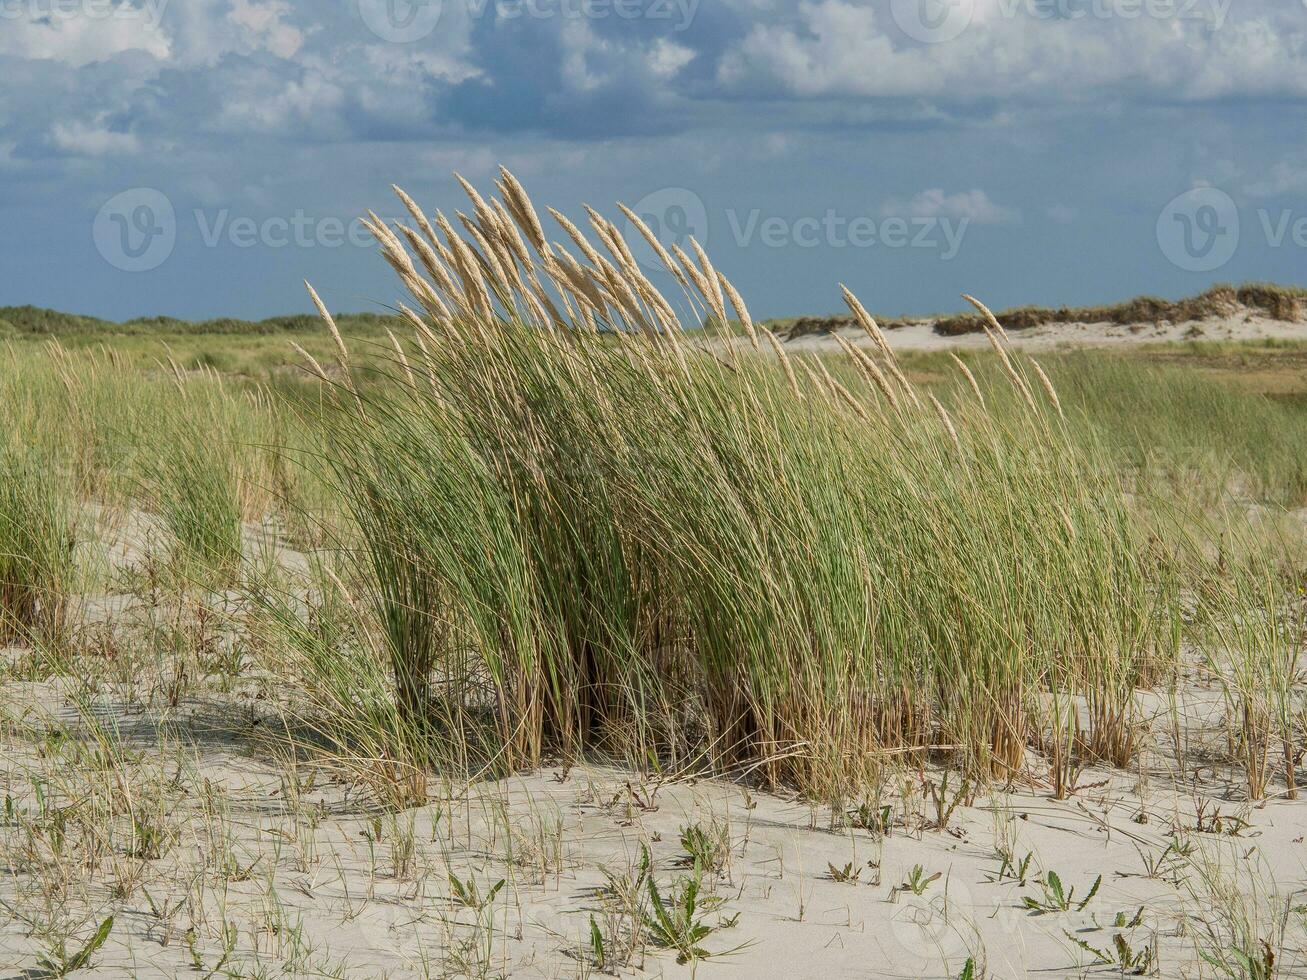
x: 538, y: 523
x: 1276, y: 302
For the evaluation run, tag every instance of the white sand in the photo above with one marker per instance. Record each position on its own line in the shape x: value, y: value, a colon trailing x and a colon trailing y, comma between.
x: 922, y: 336
x: 278, y: 869
x: 323, y: 899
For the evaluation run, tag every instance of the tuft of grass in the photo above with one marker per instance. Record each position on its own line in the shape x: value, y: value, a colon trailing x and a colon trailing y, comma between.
x: 586, y: 533
x: 198, y: 505
x: 37, y: 538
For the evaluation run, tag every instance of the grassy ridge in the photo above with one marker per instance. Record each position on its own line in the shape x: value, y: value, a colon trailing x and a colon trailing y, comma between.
x: 1288, y: 303
x: 40, y: 322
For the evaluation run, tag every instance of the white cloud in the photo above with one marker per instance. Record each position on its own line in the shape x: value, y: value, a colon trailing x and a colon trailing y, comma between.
x: 841, y: 48
x: 265, y: 25
x: 83, y: 40
x: 265, y: 101
x: 666, y: 58
x: 973, y: 206
x: 1284, y: 178
x: 92, y: 140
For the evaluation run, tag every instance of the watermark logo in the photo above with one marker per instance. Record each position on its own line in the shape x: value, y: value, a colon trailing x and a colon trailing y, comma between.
x: 940, y: 923
x: 1211, y: 12
x: 55, y: 11
x: 1198, y: 231
x: 674, y: 215
x: 932, y: 21
x: 136, y: 231
x: 938, y: 21
x: 407, y: 21
x: 834, y: 230
x: 679, y: 13
x: 401, y: 21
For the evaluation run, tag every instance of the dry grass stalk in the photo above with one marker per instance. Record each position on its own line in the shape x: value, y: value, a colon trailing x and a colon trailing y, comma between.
x: 867, y: 322
x: 998, y: 340
x: 342, y: 352
x: 871, y: 370
x: 701, y: 285
x: 1048, y: 387
x: 578, y: 237
x: 708, y: 275
x: 430, y: 259
x: 311, y: 360
x: 741, y: 311
x: 663, y: 255
x: 842, y: 393
x: 878, y: 336
x: 990, y: 319
x: 401, y: 357
x: 971, y: 378
x: 947, y: 421
x: 523, y: 210
x: 483, y: 210
x: 786, y: 366
x: 418, y: 214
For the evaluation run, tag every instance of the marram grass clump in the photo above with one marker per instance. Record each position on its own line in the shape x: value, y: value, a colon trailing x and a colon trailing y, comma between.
x: 587, y: 527
x: 37, y: 538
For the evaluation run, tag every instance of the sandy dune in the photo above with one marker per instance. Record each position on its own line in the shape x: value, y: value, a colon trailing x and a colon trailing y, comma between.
x: 922, y: 336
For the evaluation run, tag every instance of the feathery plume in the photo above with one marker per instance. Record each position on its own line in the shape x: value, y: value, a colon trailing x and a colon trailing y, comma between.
x: 866, y: 321
x: 989, y: 317
x: 520, y: 204
x: 786, y: 366
x: 647, y: 234
x: 403, y: 359
x: 312, y: 361
x: 418, y: 214
x: 948, y: 422
x: 871, y: 369
x: 342, y: 352
x: 1048, y: 387
x: 741, y: 311
x: 971, y: 378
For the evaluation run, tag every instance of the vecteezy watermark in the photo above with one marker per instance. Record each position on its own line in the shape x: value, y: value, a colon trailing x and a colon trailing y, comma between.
x: 1211, y: 12
x: 675, y: 214
x: 679, y: 13
x: 1198, y: 231
x: 932, y: 21
x: 150, y: 12
x: 835, y: 230
x: 401, y: 21
x: 407, y: 21
x: 1202, y: 229
x: 136, y: 231
x: 937, y: 21
x: 297, y: 230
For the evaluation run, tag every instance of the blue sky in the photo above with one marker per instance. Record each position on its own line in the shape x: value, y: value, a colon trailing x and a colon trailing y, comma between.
x: 200, y: 157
